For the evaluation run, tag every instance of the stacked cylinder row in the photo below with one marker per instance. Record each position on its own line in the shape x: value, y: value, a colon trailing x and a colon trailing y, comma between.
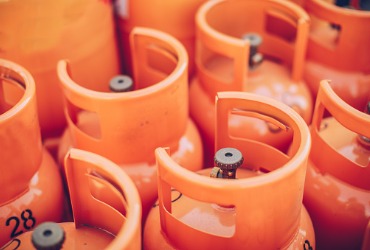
x: 224, y: 124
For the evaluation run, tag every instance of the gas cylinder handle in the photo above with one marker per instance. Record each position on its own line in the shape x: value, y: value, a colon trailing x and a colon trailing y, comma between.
x: 224, y: 45
x: 21, y: 145
x: 122, y: 216
x: 264, y: 108
x: 354, y: 120
x: 292, y: 53
x: 144, y: 41
x: 348, y: 116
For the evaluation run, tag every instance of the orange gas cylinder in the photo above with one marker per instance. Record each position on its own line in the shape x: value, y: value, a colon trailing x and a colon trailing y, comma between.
x: 261, y: 209
x: 239, y: 50
x: 30, y: 181
x: 98, y: 224
x: 338, y: 49
x: 173, y: 17
x: 337, y: 189
x: 38, y: 33
x: 127, y: 127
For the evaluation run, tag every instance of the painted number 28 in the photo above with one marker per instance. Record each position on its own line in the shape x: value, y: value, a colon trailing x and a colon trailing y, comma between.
x: 26, y: 219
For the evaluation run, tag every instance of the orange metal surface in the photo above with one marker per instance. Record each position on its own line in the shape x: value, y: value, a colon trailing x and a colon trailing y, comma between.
x: 173, y: 17
x: 366, y: 241
x: 37, y: 34
x: 98, y: 224
x: 127, y: 127
x: 339, y: 54
x: 222, y: 64
x: 30, y: 182
x: 337, y: 188
x: 267, y: 194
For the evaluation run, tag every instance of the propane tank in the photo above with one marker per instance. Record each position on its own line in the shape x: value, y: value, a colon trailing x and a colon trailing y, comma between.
x: 338, y: 49
x: 260, y: 209
x: 239, y: 50
x: 38, y: 33
x: 98, y: 224
x: 337, y: 189
x: 173, y: 17
x: 30, y: 181
x: 126, y: 127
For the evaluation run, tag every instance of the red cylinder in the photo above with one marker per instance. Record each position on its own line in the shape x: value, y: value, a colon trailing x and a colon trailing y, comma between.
x: 32, y: 190
x: 337, y: 188
x: 225, y: 63
x: 261, y: 209
x: 127, y: 127
x: 37, y: 34
x: 338, y: 49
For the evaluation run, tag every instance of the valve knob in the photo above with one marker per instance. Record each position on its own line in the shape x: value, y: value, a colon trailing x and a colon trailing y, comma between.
x: 48, y: 236
x: 121, y: 83
x: 255, y: 41
x: 227, y: 160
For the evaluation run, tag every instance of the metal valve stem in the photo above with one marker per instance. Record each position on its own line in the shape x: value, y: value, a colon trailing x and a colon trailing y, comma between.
x: 255, y: 40
x: 227, y: 160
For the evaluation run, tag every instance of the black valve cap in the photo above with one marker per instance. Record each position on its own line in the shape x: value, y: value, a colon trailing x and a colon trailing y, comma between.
x: 121, y: 83
x: 48, y: 236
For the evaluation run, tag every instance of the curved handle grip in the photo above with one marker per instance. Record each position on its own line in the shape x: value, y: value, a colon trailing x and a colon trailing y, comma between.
x: 265, y: 108
x: 20, y: 138
x: 223, y: 45
x: 116, y: 208
x: 333, y: 162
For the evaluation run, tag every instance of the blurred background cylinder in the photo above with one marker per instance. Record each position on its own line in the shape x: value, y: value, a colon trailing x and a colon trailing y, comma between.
x: 173, y: 17
x: 38, y: 33
x: 338, y: 49
x: 337, y: 188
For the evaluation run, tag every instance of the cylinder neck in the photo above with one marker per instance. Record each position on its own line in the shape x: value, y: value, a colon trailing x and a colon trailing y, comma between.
x: 21, y: 148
